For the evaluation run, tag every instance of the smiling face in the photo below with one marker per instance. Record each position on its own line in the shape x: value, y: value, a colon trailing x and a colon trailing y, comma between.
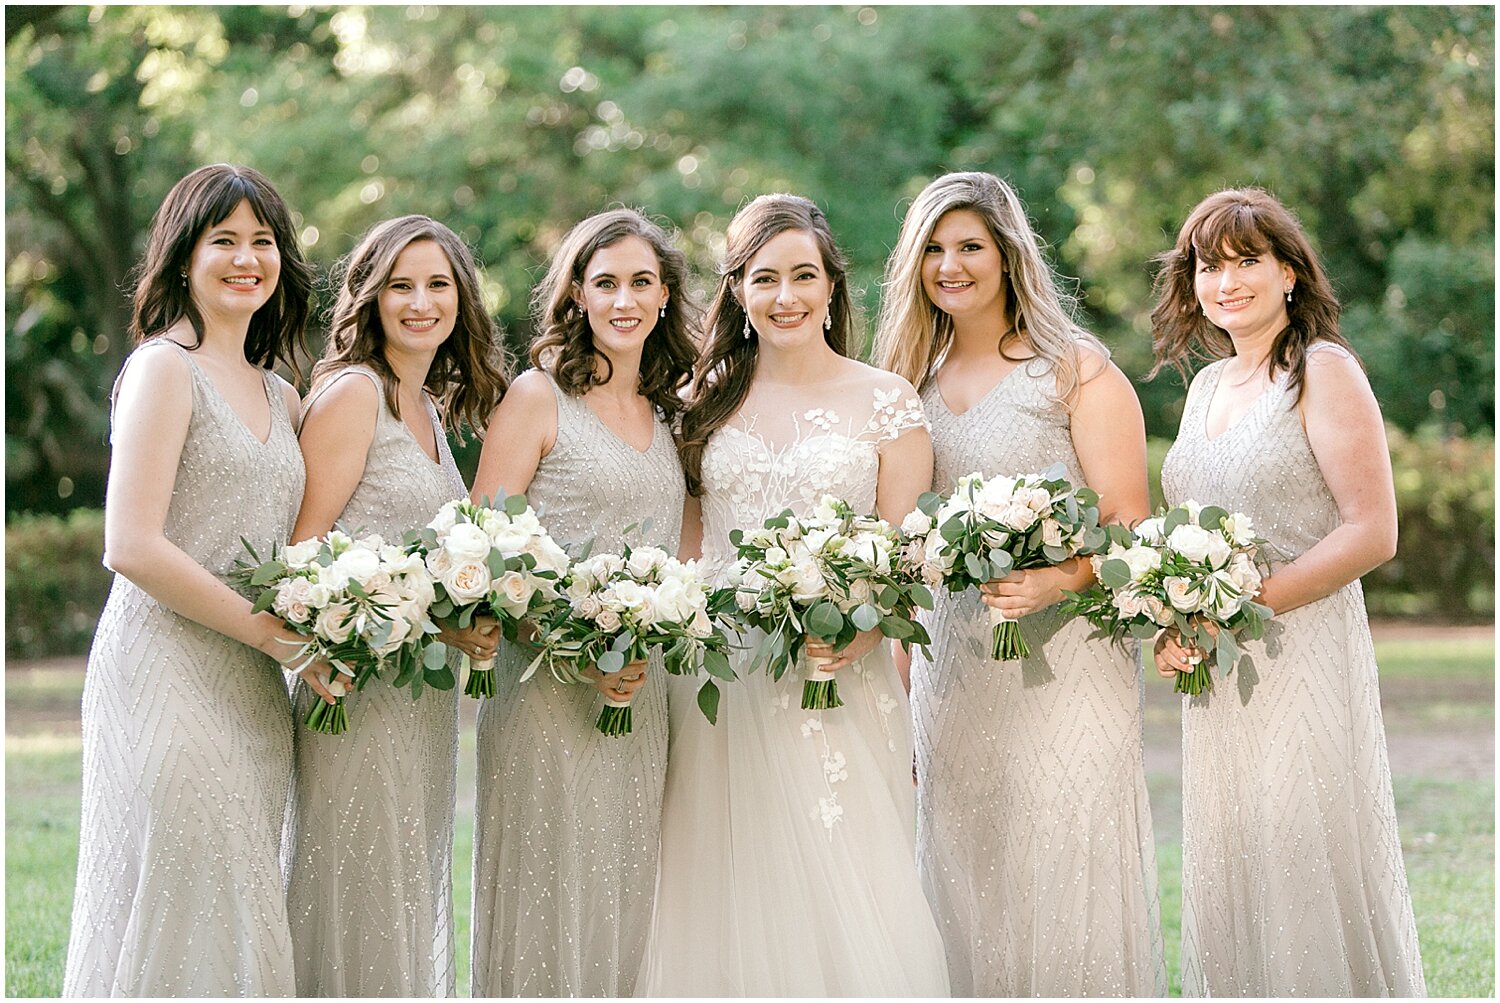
x: 623, y: 295
x: 786, y: 291
x: 419, y: 301
x: 234, y: 265
x: 963, y: 272
x: 1244, y: 295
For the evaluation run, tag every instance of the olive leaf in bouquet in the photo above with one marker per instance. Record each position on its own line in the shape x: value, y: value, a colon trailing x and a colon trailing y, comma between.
x: 362, y: 605
x: 489, y: 558
x: 987, y: 527
x: 1193, y: 569
x: 829, y: 576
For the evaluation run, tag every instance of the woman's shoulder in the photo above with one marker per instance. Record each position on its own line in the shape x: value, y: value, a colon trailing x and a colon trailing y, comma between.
x: 878, y: 382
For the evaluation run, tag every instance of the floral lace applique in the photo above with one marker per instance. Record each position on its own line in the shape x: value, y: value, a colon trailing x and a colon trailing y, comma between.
x: 890, y: 419
x: 821, y: 419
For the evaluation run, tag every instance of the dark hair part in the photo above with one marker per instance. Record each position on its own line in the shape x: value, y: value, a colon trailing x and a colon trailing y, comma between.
x: 200, y: 200
x: 470, y: 372
x: 1244, y: 222
x: 564, y: 343
x: 721, y: 380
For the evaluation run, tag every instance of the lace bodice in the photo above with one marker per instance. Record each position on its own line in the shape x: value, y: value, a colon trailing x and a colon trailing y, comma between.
x: 778, y: 458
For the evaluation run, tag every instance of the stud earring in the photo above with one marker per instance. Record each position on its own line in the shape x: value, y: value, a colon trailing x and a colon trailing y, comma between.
x: 747, y: 327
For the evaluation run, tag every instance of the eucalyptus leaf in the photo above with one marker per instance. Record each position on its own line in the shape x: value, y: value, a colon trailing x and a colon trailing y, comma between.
x: 920, y: 594
x: 1212, y: 517
x: 440, y: 679
x: 708, y: 701
x: 825, y: 620
x: 610, y: 662
x: 865, y: 617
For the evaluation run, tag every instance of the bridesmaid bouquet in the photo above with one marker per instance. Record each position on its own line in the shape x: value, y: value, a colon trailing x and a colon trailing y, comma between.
x: 489, y: 560
x: 620, y: 606
x: 1188, y: 567
x: 361, y: 603
x: 829, y: 576
x: 985, y: 529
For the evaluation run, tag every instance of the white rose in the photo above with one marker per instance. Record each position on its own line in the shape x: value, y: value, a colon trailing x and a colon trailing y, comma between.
x: 400, y: 630
x: 445, y: 519
x: 775, y: 555
x: 1192, y: 542
x: 1150, y: 531
x: 816, y: 540
x: 588, y: 606
x: 299, y: 555
x: 509, y: 540
x: 513, y: 592
x: 860, y: 591
x: 1157, y: 610
x: 1052, y: 532
x: 607, y: 566
x: 318, y: 595
x: 467, y: 542
x: 438, y: 563
x: 358, y: 564
x: 1038, y: 499
x: 1244, y: 574
x: 673, y: 600
x: 419, y: 588
x: 826, y: 510
x: 1239, y: 529
x: 1182, y: 594
x: 335, y: 623
x: 292, y: 600
x: 1140, y: 560
x: 645, y: 561
x: 608, y: 621
x: 809, y: 583
x: 1018, y: 517
x: 1218, y: 550
x: 580, y: 586
x: 467, y: 582
x: 932, y: 573
x: 745, y: 599
x: 549, y: 556
x: 374, y: 543
x: 916, y: 523
x: 1129, y: 604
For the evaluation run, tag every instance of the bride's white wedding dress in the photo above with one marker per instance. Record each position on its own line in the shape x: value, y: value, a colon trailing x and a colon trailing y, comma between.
x: 787, y: 852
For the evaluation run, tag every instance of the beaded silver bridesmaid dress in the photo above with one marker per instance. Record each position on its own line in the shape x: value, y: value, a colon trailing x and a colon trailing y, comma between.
x: 370, y: 833
x: 1034, y: 835
x: 187, y: 745
x: 567, y: 819
x: 1292, y: 877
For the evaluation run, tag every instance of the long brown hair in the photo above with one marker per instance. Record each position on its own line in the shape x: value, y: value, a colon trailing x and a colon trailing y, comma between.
x: 470, y: 372
x: 200, y: 200
x: 721, y: 380
x: 912, y: 335
x: 564, y: 344
x: 1244, y: 222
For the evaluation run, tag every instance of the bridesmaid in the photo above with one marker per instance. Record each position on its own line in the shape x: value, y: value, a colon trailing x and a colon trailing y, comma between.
x: 187, y: 743
x: 411, y: 351
x: 567, y: 819
x: 1292, y: 878
x: 1034, y: 834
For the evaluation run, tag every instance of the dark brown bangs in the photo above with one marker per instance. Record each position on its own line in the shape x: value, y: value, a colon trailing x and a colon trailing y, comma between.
x: 1230, y: 229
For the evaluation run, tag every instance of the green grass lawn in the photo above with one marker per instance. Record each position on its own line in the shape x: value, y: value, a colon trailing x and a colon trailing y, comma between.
x: 1447, y: 826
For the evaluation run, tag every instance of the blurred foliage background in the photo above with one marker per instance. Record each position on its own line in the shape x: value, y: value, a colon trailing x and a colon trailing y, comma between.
x: 1376, y: 124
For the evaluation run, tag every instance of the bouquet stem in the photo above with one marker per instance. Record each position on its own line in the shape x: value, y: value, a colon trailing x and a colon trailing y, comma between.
x: 481, y: 682
x: 1195, y: 682
x: 820, y: 691
x: 614, y: 719
x: 1007, y: 644
x: 327, y: 718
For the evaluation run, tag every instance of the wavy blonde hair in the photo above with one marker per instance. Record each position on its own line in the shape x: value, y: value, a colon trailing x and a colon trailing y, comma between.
x: 912, y: 336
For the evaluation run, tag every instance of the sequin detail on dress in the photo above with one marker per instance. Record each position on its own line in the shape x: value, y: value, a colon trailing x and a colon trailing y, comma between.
x: 567, y: 819
x: 1292, y: 878
x: 1034, y: 835
x: 187, y: 745
x: 370, y: 836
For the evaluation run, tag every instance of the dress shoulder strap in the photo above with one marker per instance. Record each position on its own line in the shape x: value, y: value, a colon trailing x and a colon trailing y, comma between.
x: 322, y: 387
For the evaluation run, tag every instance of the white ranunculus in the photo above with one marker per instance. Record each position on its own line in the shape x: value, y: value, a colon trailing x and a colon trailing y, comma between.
x: 673, y: 602
x: 467, y: 582
x: 1239, y: 529
x: 358, y: 564
x: 775, y: 555
x: 1192, y: 542
x: 608, y: 621
x: 335, y: 623
x: 467, y: 542
x: 509, y: 539
x: 513, y: 592
x: 1182, y: 594
x: 1140, y: 560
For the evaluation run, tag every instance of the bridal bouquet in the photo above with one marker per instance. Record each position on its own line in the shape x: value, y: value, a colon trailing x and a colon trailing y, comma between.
x: 489, y: 560
x: 828, y: 576
x: 987, y: 528
x: 361, y: 603
x: 619, y: 607
x: 1188, y: 567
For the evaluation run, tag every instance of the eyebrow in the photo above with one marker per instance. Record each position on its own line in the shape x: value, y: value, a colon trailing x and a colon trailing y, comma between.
x: 231, y: 231
x: 593, y: 276
x: 393, y: 277
x: 794, y: 268
x: 972, y: 238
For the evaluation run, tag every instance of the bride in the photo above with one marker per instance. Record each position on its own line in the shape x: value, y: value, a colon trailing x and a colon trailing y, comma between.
x: 787, y: 861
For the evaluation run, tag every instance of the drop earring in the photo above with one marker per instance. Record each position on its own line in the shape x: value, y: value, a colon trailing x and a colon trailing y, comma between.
x: 747, y: 327
x: 1289, y: 294
x: 663, y: 312
x: 828, y: 321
